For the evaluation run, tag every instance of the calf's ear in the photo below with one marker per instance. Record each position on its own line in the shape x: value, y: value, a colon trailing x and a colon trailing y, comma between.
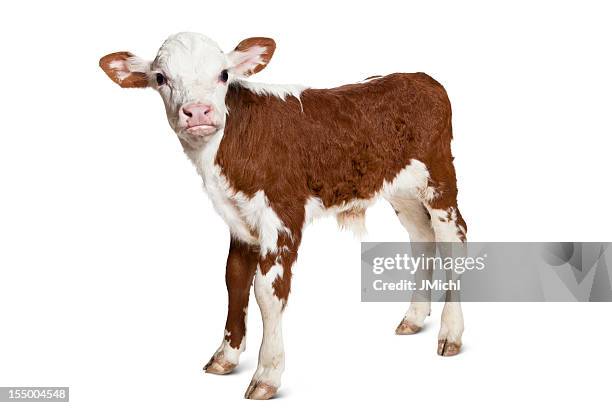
x: 251, y: 56
x: 126, y: 69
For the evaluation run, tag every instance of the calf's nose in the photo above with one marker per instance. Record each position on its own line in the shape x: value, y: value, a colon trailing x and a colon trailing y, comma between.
x: 197, y: 114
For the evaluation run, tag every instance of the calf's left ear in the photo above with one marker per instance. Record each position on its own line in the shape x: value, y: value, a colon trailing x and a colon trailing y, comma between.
x: 126, y: 69
x: 251, y: 56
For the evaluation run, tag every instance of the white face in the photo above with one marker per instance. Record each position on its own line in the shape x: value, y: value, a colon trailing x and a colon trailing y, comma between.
x: 191, y: 73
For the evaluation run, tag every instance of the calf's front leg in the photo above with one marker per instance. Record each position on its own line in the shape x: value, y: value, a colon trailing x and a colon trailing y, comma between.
x: 272, y: 284
x: 241, y: 264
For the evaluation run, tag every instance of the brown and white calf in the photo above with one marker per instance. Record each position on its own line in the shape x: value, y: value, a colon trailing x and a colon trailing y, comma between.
x: 274, y: 157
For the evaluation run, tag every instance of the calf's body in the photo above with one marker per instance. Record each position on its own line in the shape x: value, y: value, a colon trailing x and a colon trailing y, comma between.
x: 285, y: 155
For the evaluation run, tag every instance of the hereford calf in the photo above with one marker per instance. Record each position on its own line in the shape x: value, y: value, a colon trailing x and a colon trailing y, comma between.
x: 274, y: 157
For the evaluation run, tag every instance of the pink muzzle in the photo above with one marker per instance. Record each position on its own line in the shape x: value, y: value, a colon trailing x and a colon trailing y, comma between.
x: 198, y: 118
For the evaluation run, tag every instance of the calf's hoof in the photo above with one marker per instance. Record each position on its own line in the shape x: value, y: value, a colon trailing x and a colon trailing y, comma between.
x: 260, y: 391
x: 448, y: 348
x: 217, y: 365
x: 407, y: 327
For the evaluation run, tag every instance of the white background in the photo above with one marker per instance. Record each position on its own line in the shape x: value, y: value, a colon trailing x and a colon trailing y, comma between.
x: 112, y: 259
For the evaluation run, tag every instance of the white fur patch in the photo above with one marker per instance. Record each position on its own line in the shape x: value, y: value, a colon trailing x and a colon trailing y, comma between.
x: 220, y: 192
x: 250, y: 219
x: 230, y: 354
x: 280, y: 91
x: 258, y: 214
x: 411, y: 180
x: 122, y: 69
x: 136, y: 64
x: 118, y: 65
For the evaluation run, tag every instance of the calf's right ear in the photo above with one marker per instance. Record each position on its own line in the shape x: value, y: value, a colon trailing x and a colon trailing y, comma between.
x: 126, y: 69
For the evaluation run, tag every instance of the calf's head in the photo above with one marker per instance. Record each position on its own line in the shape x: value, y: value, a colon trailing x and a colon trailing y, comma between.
x: 191, y: 74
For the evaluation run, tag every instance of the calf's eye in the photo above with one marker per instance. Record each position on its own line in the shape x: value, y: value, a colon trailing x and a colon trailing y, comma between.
x: 160, y: 78
x: 224, y: 76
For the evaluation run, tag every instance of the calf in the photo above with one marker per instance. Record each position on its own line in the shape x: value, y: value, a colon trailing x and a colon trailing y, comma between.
x: 274, y: 157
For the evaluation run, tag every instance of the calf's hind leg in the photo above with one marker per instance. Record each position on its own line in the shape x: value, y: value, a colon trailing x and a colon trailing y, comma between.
x: 449, y: 227
x: 415, y: 218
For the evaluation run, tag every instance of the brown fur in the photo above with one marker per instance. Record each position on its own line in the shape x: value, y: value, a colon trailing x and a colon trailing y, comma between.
x: 241, y: 264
